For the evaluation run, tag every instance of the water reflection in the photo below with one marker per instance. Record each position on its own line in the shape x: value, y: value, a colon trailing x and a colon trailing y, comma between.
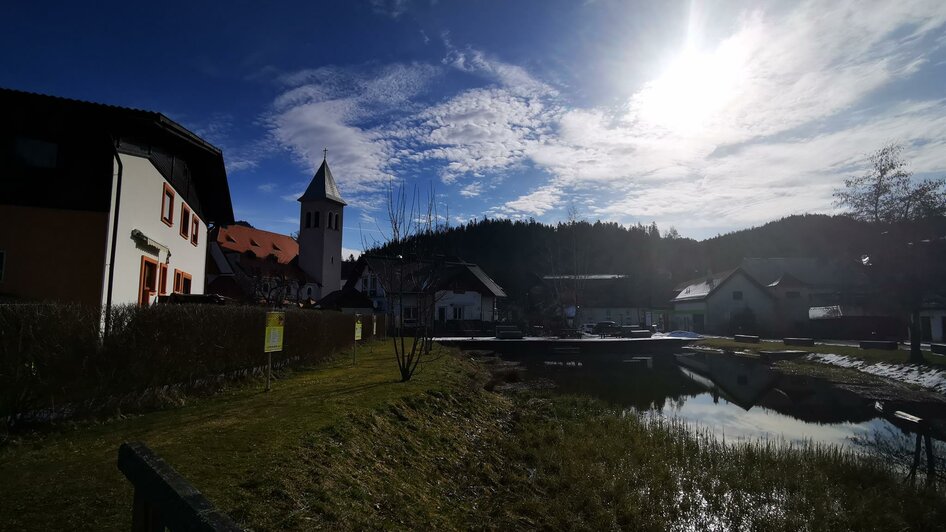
x: 739, y: 399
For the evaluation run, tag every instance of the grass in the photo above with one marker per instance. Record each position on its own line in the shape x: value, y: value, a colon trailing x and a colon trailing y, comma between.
x: 338, y: 447
x: 228, y: 446
x: 585, y: 466
x: 870, y: 355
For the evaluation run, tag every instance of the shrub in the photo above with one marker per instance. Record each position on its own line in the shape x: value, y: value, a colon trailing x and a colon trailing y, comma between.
x: 51, y: 354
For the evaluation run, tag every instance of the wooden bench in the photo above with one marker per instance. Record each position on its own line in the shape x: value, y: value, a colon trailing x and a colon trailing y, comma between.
x: 798, y: 341
x: 163, y: 498
x: 889, y: 345
x: 746, y: 339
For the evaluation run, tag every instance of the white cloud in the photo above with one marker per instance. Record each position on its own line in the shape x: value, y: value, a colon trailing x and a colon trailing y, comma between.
x: 335, y: 108
x: 350, y: 251
x: 763, y: 123
x: 535, y: 203
x: 266, y: 187
x: 471, y: 190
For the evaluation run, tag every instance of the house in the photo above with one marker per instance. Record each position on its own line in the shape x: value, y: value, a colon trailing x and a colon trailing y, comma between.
x: 593, y: 298
x: 724, y: 302
x: 451, y: 295
x: 796, y: 288
x: 103, y: 205
x: 253, y: 265
x: 261, y: 266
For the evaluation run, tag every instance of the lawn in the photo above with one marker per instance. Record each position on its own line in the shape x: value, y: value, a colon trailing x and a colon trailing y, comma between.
x: 226, y: 445
x: 898, y: 356
x: 342, y: 447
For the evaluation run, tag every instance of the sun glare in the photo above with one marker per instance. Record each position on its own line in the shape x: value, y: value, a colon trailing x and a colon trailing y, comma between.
x: 692, y: 91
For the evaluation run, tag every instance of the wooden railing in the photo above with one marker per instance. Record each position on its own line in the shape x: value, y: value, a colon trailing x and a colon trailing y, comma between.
x: 163, y: 498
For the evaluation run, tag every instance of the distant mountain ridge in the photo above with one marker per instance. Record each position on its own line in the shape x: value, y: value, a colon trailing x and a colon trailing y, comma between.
x: 517, y: 254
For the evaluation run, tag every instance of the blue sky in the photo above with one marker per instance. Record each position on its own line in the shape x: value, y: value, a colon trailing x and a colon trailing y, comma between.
x: 706, y: 116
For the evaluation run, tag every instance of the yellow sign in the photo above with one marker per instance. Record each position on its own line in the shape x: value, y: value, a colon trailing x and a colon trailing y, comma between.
x: 274, y: 331
x: 358, y: 330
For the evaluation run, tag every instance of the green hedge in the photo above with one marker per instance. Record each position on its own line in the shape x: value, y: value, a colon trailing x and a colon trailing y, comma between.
x: 52, y: 354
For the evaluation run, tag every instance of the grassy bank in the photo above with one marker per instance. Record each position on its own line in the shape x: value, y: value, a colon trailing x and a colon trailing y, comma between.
x: 349, y: 448
x: 228, y: 446
x: 898, y: 356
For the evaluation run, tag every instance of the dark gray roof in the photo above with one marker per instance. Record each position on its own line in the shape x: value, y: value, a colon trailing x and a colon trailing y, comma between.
x: 419, y: 275
x: 702, y: 287
x: 487, y: 281
x: 810, y: 271
x: 323, y: 186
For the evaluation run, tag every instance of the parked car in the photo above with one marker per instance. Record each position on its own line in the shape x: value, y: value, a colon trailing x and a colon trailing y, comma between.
x: 604, y: 327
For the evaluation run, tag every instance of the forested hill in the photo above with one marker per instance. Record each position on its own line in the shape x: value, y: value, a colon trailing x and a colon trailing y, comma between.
x: 519, y: 253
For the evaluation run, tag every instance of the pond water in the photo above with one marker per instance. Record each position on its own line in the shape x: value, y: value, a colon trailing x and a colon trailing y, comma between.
x: 737, y: 400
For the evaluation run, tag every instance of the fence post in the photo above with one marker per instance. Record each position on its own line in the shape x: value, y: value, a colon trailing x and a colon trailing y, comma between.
x: 163, y: 498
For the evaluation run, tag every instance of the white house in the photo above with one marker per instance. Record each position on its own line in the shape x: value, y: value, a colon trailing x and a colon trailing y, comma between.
x: 725, y: 302
x: 104, y: 205
x: 451, y: 295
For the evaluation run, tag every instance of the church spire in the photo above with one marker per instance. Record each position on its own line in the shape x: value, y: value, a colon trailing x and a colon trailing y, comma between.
x: 323, y: 185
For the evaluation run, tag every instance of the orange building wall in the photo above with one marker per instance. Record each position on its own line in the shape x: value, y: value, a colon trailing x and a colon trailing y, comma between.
x: 53, y: 254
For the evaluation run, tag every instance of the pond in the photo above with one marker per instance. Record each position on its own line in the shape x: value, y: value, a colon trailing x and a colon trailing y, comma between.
x: 737, y: 400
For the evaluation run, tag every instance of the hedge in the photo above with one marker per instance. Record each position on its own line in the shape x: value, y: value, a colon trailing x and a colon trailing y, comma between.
x: 53, y: 354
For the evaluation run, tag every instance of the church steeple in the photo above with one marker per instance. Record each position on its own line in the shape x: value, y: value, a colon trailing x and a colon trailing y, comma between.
x: 323, y: 186
x: 321, y: 219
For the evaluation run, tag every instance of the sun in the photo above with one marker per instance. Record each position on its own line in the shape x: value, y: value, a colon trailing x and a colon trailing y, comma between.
x: 692, y: 91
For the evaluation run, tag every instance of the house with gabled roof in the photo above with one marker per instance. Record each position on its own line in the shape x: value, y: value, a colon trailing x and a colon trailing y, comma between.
x: 103, y: 205
x: 449, y: 295
x: 796, y: 287
x: 723, y: 303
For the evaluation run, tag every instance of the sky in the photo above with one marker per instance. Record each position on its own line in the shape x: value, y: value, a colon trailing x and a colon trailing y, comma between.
x: 704, y: 116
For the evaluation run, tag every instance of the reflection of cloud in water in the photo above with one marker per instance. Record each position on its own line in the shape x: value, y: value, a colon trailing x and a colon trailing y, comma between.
x: 725, y: 419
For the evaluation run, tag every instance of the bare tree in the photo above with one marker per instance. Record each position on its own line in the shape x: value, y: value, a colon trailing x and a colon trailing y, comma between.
x: 409, y: 217
x: 886, y: 193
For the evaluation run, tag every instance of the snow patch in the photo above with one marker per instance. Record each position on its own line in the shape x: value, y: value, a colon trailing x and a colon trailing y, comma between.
x: 933, y: 379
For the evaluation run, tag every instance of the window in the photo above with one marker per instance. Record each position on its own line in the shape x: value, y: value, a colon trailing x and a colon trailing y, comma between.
x: 328, y: 220
x: 182, y: 282
x: 163, y: 279
x: 737, y: 295
x: 147, y: 280
x: 3, y: 259
x: 185, y: 221
x: 316, y: 220
x: 195, y: 230
x: 458, y: 313
x: 308, y: 219
x: 167, y: 205
x: 410, y: 313
x: 792, y: 294
x: 338, y: 219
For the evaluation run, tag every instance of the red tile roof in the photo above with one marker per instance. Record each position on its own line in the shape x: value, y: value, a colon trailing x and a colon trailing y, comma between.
x: 261, y: 243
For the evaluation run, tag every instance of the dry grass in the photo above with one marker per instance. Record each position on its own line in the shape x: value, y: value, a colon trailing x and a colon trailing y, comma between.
x: 350, y: 448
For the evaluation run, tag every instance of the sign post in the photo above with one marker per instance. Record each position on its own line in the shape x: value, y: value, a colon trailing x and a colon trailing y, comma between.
x: 357, y: 339
x: 275, y: 321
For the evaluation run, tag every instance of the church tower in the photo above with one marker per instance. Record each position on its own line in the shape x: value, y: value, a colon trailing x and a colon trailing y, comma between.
x: 320, y: 230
